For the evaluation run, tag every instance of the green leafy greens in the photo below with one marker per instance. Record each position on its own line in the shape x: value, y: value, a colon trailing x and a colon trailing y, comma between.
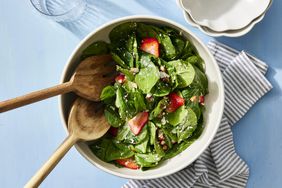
x: 148, y: 82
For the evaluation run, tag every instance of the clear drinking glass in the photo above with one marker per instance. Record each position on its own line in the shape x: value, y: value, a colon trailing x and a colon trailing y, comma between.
x: 60, y: 10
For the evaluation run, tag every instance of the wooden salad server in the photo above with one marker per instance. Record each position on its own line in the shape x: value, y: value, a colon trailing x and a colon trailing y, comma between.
x: 86, y: 122
x: 88, y: 81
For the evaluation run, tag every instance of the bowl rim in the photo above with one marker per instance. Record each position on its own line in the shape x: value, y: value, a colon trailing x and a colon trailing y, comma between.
x: 221, y: 93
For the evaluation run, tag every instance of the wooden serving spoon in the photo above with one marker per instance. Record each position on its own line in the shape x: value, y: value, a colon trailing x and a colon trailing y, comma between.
x: 86, y: 122
x: 88, y: 81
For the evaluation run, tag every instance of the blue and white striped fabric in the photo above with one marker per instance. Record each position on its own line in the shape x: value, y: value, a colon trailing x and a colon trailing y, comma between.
x: 219, y: 165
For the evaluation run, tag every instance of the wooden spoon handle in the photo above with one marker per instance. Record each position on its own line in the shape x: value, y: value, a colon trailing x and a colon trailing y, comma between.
x: 35, y: 96
x: 43, y: 172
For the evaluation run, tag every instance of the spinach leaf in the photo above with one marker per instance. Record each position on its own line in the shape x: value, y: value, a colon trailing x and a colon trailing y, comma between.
x: 147, y: 77
x: 99, y: 148
x: 135, y: 101
x: 147, y: 160
x: 186, y: 129
x: 142, y: 147
x: 96, y: 48
x: 167, y: 47
x: 189, y: 50
x: 138, y: 99
x: 153, y: 131
x: 126, y: 136
x: 158, y: 148
x: 108, y: 150
x: 197, y: 108
x: 127, y: 57
x: 200, y: 82
x: 120, y: 103
x: 168, y: 141
x: 121, y: 152
x: 161, y: 89
x: 122, y: 31
x: 133, y: 49
x: 119, y: 61
x: 123, y: 57
x: 159, y: 108
x: 184, y: 71
x: 168, y: 133
x: 146, y: 59
x: 197, y: 61
x: 129, y: 86
x: 123, y: 132
x: 172, y: 75
x: 188, y: 93
x: 145, y: 31
x: 108, y: 93
x: 198, y: 131
x: 124, y: 44
x: 133, y: 139
x: 178, y: 148
x: 177, y: 117
x: 179, y: 45
x: 113, y: 117
x: 178, y: 41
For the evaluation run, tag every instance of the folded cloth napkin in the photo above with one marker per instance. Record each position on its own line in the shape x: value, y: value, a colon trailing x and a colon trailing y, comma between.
x: 219, y: 165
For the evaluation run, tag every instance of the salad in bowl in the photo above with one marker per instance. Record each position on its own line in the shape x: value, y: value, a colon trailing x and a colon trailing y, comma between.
x: 165, y: 104
x: 155, y: 104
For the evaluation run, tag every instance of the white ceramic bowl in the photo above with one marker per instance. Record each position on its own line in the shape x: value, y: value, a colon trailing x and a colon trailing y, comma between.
x: 214, y: 102
x: 222, y: 15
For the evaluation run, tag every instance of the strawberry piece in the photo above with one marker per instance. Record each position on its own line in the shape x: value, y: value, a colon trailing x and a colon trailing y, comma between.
x: 128, y: 163
x: 151, y: 46
x: 202, y: 100
x: 175, y: 102
x: 137, y: 122
x: 120, y: 78
x: 113, y: 131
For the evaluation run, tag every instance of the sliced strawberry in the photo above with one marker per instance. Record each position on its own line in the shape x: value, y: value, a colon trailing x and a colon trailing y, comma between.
x: 202, y: 100
x: 151, y: 46
x: 137, y: 122
x: 175, y: 102
x: 113, y: 131
x: 128, y: 163
x: 120, y: 78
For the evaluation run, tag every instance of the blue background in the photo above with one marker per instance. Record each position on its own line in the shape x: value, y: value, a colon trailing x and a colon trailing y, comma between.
x: 33, y: 51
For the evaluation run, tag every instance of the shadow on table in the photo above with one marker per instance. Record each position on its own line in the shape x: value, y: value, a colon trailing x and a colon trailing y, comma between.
x: 99, y: 12
x: 96, y: 13
x: 160, y: 8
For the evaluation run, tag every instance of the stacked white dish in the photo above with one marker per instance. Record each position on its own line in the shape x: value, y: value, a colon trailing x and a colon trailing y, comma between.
x: 224, y: 17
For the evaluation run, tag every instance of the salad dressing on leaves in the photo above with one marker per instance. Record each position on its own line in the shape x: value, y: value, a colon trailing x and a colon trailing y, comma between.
x: 155, y: 105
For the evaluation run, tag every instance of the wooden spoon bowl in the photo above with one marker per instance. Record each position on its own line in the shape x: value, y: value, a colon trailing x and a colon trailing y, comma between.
x: 86, y: 122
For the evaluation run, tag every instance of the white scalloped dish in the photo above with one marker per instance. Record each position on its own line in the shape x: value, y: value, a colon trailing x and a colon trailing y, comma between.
x: 228, y: 33
x: 222, y: 15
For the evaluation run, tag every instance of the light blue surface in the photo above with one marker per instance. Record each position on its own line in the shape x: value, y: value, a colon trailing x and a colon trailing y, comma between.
x: 33, y: 51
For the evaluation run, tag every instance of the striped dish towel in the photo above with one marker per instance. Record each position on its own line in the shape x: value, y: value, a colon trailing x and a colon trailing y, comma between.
x: 219, y: 165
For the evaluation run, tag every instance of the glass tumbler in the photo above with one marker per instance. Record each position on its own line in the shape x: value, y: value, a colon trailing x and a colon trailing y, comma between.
x: 60, y: 10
